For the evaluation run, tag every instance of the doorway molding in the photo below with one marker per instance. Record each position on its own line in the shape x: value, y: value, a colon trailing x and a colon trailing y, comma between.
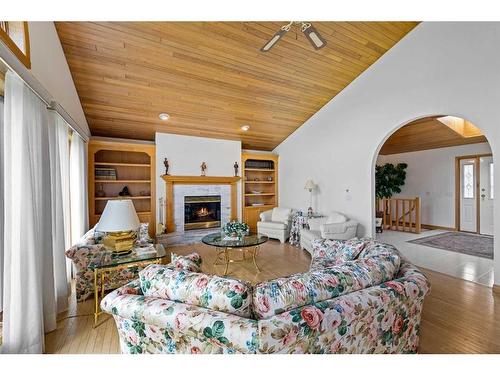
x: 477, y: 171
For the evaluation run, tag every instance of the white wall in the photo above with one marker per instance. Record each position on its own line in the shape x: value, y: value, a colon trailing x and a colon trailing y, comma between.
x: 185, y: 155
x: 431, y: 176
x: 49, y: 66
x: 450, y: 68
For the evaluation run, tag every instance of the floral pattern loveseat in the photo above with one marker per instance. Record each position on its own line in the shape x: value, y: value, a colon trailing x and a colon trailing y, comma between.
x: 359, y: 296
x: 86, y: 250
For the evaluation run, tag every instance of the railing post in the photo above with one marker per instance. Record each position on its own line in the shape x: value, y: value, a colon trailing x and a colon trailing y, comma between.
x: 417, y: 215
x: 404, y: 214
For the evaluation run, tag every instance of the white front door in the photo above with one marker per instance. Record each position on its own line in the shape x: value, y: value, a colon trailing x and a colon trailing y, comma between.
x: 486, y: 195
x: 468, y: 195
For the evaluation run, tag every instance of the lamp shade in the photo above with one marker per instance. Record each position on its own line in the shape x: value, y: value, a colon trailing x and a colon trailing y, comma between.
x: 309, y: 185
x: 118, y: 216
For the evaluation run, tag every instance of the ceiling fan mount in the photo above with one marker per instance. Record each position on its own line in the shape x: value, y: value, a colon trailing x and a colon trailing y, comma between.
x: 306, y: 28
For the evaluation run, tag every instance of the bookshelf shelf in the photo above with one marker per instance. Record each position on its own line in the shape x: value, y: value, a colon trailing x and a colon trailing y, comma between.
x: 122, y: 181
x: 124, y: 164
x: 117, y: 198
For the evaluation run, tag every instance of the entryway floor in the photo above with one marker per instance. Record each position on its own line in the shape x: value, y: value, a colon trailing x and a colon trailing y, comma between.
x: 467, y: 267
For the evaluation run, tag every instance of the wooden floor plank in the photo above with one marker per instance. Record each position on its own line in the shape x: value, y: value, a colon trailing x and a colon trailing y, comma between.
x: 459, y: 316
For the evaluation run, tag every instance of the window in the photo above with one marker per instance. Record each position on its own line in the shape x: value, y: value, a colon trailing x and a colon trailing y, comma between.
x: 468, y: 180
x: 491, y: 180
x: 15, y: 35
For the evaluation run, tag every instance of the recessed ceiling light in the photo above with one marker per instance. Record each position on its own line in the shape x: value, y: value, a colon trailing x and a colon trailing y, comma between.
x: 245, y: 128
x: 164, y: 116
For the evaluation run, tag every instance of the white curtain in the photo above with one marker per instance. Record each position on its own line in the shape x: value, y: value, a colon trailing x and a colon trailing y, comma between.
x: 59, y: 174
x: 29, y: 293
x: 78, y: 188
x: 1, y: 205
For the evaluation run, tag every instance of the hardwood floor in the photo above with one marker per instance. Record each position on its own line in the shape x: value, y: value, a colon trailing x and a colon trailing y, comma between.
x: 459, y: 316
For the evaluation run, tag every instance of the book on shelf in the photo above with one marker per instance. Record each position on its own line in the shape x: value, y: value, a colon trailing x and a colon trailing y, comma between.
x: 259, y: 164
x: 105, y: 174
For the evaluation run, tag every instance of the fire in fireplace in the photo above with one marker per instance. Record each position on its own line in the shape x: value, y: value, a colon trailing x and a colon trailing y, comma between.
x: 201, y: 212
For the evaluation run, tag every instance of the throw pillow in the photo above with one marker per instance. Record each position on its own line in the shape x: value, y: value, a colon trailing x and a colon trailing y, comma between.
x: 190, y: 262
x: 280, y: 214
x: 336, y: 218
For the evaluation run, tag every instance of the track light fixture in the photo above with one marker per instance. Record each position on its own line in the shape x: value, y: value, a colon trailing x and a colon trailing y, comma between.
x: 307, y: 28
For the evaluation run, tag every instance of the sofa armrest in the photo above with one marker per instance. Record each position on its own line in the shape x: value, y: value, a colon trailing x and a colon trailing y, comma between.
x: 266, y: 215
x: 83, y: 255
x: 131, y: 288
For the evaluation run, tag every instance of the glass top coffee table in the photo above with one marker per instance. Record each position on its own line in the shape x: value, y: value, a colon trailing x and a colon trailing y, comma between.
x: 247, y: 245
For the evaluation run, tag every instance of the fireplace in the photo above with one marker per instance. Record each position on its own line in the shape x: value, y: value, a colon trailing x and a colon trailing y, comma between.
x: 202, y: 212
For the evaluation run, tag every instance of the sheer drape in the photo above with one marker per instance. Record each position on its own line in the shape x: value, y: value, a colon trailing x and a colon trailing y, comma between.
x: 29, y: 297
x: 78, y: 188
x: 59, y: 173
x: 1, y: 205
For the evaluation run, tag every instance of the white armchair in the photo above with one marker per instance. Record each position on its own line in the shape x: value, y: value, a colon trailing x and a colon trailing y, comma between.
x: 334, y: 227
x: 276, y: 223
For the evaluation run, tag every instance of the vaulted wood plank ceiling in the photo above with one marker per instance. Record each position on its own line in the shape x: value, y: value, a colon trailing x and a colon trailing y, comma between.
x: 211, y: 78
x: 425, y: 134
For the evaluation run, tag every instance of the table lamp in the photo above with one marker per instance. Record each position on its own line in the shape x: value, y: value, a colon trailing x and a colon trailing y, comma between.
x: 119, y: 220
x: 310, y: 187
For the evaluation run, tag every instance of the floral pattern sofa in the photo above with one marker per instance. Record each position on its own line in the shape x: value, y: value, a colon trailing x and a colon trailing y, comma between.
x: 83, y: 253
x: 359, y: 296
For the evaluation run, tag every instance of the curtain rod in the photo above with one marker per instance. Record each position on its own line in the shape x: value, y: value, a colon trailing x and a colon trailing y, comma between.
x: 27, y: 77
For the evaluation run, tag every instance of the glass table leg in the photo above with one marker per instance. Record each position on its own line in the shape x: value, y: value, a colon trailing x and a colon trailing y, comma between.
x: 254, y: 257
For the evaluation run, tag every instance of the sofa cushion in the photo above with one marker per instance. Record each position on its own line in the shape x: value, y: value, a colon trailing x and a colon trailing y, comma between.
x: 272, y: 225
x: 283, y: 294
x: 209, y: 291
x: 336, y: 218
x: 281, y: 214
x: 190, y: 262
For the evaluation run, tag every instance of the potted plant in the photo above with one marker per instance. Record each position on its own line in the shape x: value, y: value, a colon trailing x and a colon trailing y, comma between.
x: 389, y: 179
x: 235, y: 230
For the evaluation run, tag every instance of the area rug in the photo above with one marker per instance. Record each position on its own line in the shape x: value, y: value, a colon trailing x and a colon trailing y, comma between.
x: 459, y: 242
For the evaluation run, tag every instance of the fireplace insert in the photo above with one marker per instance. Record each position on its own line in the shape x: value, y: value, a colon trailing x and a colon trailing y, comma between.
x: 201, y: 212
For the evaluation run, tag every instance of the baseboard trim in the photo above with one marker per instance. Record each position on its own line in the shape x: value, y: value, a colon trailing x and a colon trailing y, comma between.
x: 431, y: 227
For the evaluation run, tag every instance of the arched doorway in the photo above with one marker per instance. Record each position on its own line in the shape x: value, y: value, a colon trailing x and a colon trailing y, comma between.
x: 435, y: 196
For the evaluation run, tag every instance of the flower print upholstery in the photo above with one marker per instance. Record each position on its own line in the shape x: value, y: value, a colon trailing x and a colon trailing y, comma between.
x: 191, y: 262
x: 82, y: 254
x: 380, y: 319
x: 199, y: 289
x: 369, y: 304
x: 283, y: 294
x: 157, y: 325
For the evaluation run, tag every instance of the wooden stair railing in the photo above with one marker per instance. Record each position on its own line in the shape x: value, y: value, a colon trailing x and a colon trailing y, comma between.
x: 400, y: 214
